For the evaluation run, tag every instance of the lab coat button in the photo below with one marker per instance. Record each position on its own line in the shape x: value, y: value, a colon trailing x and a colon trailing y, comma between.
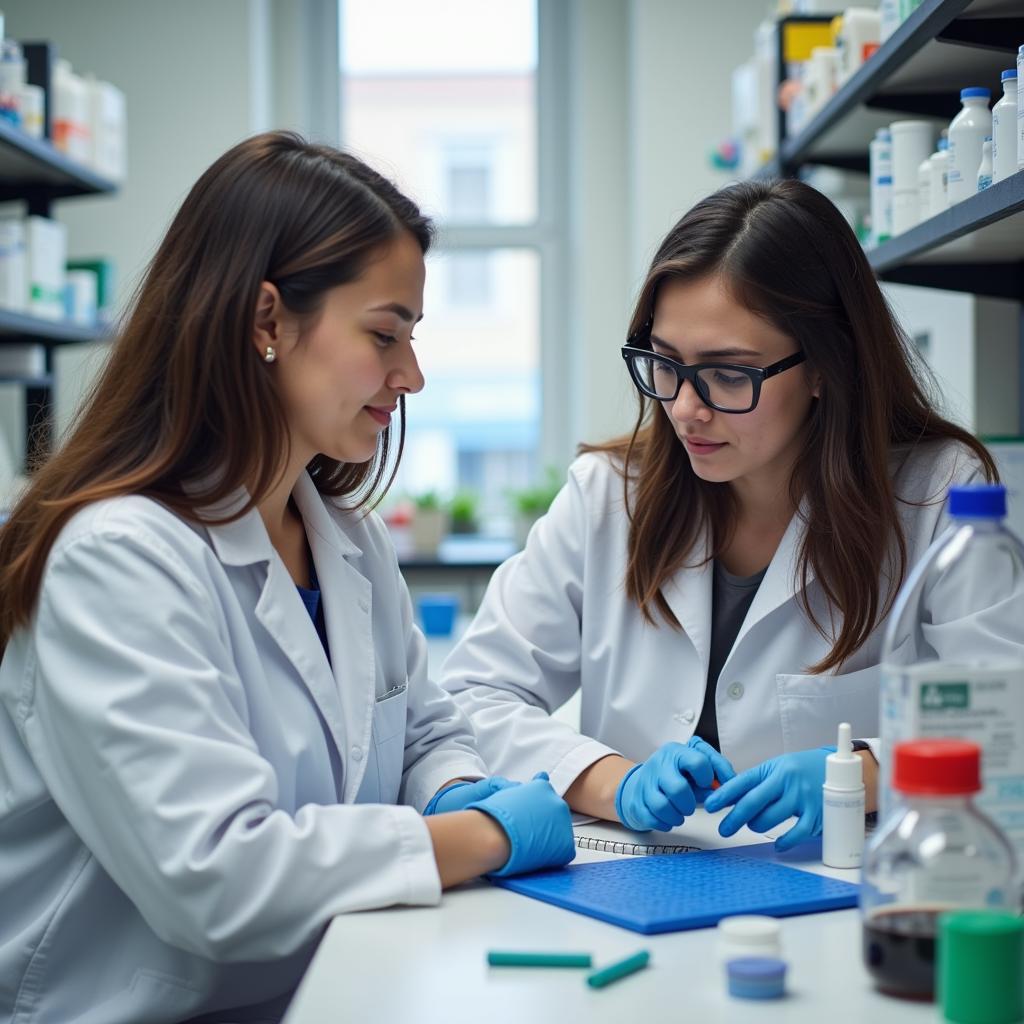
x: 735, y: 690
x: 364, y: 605
x: 357, y: 753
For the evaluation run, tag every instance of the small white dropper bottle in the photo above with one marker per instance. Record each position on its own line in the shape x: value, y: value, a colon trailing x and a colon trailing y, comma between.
x: 842, y: 842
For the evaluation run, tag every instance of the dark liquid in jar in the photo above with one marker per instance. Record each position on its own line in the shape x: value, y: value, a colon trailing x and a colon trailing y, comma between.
x: 899, y: 951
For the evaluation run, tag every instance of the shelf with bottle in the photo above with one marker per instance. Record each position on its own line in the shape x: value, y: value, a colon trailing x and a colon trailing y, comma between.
x: 976, y: 246
x: 17, y: 327
x: 31, y: 167
x: 917, y: 71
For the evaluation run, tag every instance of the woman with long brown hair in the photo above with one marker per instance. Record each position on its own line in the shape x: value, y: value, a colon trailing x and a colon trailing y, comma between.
x: 717, y: 582
x: 216, y: 728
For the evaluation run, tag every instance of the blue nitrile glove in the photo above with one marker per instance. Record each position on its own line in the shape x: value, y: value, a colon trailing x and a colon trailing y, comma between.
x: 537, y: 822
x: 456, y: 796
x: 661, y: 791
x: 773, y: 791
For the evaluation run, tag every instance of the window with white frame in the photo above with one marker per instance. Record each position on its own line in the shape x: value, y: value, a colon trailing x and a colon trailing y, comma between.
x: 443, y: 97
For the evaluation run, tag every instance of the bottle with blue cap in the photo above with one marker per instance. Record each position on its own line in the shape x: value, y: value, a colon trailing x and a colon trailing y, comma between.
x: 953, y: 653
x: 967, y: 132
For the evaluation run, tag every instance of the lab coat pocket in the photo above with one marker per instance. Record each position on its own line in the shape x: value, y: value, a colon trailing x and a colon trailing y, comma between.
x: 810, y: 707
x: 388, y: 737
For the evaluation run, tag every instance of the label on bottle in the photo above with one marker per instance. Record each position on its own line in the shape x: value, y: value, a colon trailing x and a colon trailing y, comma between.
x: 983, y: 705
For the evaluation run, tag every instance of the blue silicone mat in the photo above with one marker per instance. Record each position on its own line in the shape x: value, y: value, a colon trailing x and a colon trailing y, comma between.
x: 671, y: 894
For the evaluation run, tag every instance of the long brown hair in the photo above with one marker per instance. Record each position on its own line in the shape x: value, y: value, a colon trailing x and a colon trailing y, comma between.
x: 184, y: 397
x: 787, y: 254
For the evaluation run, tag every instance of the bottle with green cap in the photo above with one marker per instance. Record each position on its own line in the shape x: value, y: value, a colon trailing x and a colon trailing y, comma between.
x: 935, y: 852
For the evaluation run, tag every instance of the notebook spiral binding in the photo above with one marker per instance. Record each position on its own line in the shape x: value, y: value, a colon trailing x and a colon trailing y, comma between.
x: 629, y: 849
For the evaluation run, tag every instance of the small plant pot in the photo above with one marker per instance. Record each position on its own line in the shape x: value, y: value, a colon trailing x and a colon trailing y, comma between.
x: 428, y: 529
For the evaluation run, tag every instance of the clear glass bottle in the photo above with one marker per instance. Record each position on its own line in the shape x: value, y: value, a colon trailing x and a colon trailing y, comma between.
x: 953, y: 653
x: 934, y: 852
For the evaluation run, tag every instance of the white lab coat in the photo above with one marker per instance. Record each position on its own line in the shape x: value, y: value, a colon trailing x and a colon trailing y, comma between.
x: 556, y: 619
x: 188, y: 790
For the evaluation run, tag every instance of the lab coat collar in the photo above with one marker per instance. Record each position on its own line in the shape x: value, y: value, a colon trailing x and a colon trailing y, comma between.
x: 689, y: 593
x: 320, y: 524
x: 245, y: 541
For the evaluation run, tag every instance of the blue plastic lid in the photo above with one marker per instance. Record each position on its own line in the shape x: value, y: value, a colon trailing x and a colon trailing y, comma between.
x: 884, y: 179
x: 756, y: 968
x: 982, y: 501
x: 975, y: 90
x: 943, y: 144
x: 884, y: 134
x: 1012, y: 73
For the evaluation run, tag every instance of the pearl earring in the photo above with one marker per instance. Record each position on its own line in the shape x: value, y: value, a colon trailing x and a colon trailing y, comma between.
x: 270, y: 355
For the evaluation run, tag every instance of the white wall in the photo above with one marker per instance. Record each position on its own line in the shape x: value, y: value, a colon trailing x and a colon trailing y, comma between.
x: 973, y: 348
x: 650, y: 100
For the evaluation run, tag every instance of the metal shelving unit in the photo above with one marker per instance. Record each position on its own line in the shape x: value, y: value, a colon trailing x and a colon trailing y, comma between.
x: 33, y: 171
x: 917, y: 72
x: 976, y: 246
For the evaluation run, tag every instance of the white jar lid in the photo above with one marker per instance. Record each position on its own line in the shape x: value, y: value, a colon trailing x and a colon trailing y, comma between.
x: 750, y: 929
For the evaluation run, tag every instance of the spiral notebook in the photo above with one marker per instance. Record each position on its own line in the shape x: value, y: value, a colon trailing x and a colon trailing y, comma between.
x: 699, y: 832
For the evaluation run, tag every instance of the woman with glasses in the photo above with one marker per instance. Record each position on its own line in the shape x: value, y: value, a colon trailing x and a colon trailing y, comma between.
x: 717, y: 581
x: 216, y: 726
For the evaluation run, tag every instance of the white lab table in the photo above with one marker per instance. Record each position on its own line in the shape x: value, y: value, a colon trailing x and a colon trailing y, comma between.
x: 429, y: 965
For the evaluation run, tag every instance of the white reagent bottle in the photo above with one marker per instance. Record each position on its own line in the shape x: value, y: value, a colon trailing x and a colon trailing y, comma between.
x: 842, y: 842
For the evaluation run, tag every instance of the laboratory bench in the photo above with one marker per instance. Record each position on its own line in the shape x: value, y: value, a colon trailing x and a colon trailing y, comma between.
x: 428, y: 965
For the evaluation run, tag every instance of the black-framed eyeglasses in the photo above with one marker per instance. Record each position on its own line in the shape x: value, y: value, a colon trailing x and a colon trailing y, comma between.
x: 726, y: 387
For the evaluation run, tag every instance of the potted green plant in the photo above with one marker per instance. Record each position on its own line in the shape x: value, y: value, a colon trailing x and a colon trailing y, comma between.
x: 429, y: 522
x: 462, y: 512
x: 530, y: 503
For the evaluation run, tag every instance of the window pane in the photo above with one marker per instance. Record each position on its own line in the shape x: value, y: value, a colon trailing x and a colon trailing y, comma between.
x: 440, y: 95
x: 475, y: 426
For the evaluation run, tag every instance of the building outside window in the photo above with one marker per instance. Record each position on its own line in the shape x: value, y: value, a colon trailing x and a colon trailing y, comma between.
x: 457, y: 128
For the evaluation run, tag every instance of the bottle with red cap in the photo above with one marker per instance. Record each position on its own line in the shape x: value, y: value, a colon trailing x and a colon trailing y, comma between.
x: 936, y: 851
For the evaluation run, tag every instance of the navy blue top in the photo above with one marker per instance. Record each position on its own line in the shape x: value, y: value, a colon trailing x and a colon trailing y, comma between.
x: 314, y: 605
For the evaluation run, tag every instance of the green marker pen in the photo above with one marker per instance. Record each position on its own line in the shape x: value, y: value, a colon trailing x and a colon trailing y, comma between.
x: 499, y: 959
x: 636, y: 962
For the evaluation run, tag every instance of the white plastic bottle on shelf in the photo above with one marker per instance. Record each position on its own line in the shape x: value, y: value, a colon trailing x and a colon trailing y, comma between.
x: 880, y: 160
x: 71, y: 113
x: 924, y: 189
x: 938, y: 199
x: 945, y: 679
x: 1004, y: 129
x: 984, y: 177
x: 1020, y: 111
x: 967, y: 131
x: 889, y: 14
x: 12, y: 78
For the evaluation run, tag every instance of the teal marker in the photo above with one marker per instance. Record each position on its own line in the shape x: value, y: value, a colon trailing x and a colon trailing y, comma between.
x: 499, y: 959
x: 605, y: 976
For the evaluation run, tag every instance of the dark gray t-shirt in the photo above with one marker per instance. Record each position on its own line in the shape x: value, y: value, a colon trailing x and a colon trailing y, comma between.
x: 731, y: 597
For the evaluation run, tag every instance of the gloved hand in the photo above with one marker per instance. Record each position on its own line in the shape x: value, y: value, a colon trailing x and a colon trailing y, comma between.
x: 773, y: 791
x: 537, y: 822
x: 657, y: 794
x: 456, y: 796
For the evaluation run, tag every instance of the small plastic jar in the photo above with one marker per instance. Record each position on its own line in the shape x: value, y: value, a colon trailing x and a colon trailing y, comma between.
x: 749, y: 935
